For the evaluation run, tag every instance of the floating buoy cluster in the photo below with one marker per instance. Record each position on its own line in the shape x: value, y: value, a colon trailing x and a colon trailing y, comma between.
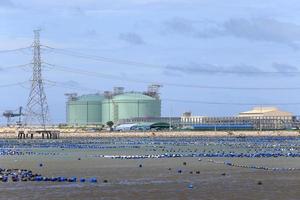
x: 19, y: 152
x: 69, y: 144
x: 24, y: 175
x: 211, y: 147
x: 106, y: 143
x: 253, y: 166
x: 202, y: 155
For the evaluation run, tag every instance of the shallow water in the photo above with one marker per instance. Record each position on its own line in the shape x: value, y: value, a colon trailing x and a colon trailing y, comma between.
x: 154, y: 180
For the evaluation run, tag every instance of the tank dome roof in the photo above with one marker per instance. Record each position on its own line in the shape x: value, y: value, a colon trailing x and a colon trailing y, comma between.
x: 91, y: 97
x: 133, y: 96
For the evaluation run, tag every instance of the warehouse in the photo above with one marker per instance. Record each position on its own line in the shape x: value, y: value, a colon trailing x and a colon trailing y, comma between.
x: 116, y: 105
x: 265, y: 112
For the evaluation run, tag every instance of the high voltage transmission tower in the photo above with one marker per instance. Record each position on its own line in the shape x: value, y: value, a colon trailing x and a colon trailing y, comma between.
x: 37, y: 111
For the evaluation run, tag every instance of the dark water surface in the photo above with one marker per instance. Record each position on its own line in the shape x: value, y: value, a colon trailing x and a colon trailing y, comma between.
x: 156, y: 178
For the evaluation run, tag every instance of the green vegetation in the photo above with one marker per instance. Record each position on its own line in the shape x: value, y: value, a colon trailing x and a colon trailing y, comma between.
x: 110, y: 124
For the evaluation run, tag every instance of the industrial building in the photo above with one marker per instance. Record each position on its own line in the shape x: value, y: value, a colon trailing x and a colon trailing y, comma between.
x: 145, y: 126
x: 188, y: 118
x: 173, y: 121
x: 265, y: 112
x: 259, y: 118
x: 116, y: 105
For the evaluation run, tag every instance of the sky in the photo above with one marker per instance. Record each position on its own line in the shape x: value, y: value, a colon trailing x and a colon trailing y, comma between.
x: 188, y: 46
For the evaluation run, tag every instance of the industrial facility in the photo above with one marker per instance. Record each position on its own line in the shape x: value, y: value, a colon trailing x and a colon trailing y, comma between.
x: 142, y: 111
x: 116, y: 105
x: 259, y: 118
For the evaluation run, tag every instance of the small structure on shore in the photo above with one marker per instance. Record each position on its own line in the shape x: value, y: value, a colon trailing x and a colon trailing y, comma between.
x: 43, y: 133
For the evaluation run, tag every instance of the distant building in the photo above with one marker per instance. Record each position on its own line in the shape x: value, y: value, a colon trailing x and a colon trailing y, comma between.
x: 265, y: 112
x: 174, y: 121
x: 269, y: 118
x: 145, y: 126
x: 260, y: 118
x: 187, y: 118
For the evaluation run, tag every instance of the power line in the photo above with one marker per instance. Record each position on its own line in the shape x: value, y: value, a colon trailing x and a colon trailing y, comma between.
x: 63, y: 85
x: 94, y: 74
x: 15, y: 66
x: 166, y: 67
x: 15, y: 50
x: 103, y: 59
x: 229, y: 103
x: 114, y: 77
x: 13, y: 84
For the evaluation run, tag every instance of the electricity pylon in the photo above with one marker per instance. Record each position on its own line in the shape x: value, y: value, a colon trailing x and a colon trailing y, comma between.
x: 37, y: 111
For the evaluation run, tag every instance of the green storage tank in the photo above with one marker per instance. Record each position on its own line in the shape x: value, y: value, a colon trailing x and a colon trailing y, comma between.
x: 84, y: 110
x: 130, y: 105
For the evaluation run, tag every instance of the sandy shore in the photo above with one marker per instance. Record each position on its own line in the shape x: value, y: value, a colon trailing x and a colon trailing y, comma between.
x: 11, y: 133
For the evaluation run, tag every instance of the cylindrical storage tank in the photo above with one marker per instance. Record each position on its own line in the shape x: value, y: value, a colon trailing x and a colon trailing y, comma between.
x: 107, y: 111
x: 130, y: 105
x: 85, y: 110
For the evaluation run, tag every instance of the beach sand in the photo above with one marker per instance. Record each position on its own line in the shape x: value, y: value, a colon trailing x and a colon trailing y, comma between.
x: 6, y: 133
x: 153, y: 181
x: 156, y: 179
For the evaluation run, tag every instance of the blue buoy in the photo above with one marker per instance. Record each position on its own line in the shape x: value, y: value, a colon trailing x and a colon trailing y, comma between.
x: 41, y: 164
x: 4, y: 179
x: 72, y: 179
x: 61, y: 179
x: 82, y: 180
x: 93, y: 180
x: 53, y: 179
x: 38, y: 178
x: 15, y: 178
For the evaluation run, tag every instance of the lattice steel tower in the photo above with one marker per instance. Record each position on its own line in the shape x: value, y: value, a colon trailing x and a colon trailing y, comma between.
x: 37, y: 111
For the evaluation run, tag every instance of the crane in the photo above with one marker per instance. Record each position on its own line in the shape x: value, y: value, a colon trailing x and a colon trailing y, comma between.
x: 8, y: 114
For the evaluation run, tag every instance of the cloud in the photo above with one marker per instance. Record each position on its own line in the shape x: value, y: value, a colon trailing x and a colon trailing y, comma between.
x: 191, y: 28
x: 132, y: 38
x: 173, y: 73
x: 196, y: 69
x: 264, y: 30
x: 6, y: 3
x: 86, y: 6
x: 285, y: 68
x: 254, y: 29
x: 180, y: 25
x: 241, y: 69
